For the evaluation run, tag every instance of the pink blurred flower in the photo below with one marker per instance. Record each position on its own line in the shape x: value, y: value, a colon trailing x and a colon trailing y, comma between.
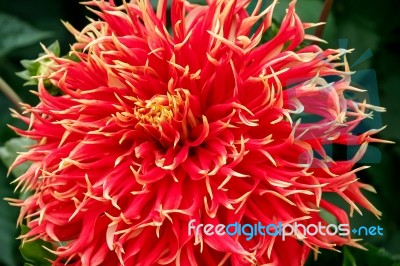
x: 155, y: 128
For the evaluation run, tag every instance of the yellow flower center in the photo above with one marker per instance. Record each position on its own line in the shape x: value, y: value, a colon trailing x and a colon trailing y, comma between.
x: 156, y: 110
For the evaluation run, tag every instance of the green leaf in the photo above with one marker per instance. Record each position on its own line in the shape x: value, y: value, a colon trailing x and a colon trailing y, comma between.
x: 16, y: 33
x: 308, y: 11
x: 34, y: 251
x: 8, y: 219
x: 380, y: 256
x: 373, y: 256
x: 9, y: 152
x: 348, y: 259
x: 54, y: 48
x: 9, y: 214
x: 37, y: 67
x: 327, y: 216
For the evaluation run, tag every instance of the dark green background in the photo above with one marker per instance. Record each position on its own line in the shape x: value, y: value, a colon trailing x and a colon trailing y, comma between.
x: 371, y: 27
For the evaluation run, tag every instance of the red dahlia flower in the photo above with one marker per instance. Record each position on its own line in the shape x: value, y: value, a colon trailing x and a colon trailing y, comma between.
x: 154, y: 128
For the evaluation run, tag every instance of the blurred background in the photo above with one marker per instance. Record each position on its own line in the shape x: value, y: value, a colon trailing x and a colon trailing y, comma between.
x: 371, y: 27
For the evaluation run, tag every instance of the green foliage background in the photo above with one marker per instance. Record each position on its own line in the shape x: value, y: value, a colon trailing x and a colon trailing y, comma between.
x: 371, y: 27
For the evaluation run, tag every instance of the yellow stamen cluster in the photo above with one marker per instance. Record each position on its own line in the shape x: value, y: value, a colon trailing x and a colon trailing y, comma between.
x: 160, y: 108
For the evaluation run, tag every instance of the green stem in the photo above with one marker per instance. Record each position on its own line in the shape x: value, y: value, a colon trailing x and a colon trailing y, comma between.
x: 324, y: 17
x: 10, y: 94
